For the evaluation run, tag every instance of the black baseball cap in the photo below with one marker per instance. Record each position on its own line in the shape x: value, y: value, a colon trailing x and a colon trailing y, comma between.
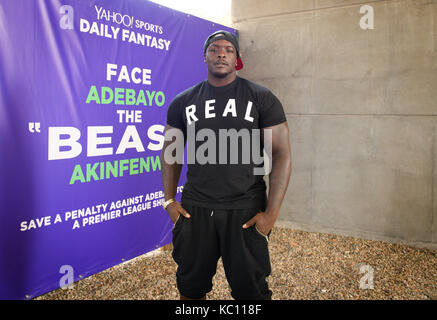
x: 225, y: 35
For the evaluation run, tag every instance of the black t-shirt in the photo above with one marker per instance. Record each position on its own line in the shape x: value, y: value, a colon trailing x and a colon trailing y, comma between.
x: 221, y: 182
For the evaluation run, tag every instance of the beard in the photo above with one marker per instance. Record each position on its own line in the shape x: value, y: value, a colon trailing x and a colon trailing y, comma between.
x: 220, y: 75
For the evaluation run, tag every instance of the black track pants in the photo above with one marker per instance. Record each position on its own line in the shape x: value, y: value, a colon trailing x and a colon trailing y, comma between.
x: 198, y: 243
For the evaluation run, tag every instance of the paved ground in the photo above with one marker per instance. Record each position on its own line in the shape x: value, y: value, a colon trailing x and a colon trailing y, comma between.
x: 305, y: 265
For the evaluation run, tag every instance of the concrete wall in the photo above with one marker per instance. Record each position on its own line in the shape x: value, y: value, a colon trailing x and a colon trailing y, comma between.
x: 361, y: 106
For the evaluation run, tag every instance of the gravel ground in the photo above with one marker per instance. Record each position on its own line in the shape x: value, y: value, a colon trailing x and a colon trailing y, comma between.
x: 305, y: 265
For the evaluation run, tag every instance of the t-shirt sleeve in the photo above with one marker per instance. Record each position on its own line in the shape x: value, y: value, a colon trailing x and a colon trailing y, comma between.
x: 271, y: 111
x: 175, y: 115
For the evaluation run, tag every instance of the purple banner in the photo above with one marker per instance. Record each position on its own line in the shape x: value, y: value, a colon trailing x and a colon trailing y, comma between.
x: 84, y: 91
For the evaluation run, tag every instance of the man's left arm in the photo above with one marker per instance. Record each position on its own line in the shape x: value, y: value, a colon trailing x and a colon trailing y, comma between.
x: 278, y: 179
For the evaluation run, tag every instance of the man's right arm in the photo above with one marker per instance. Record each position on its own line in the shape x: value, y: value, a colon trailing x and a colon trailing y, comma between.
x: 171, y: 171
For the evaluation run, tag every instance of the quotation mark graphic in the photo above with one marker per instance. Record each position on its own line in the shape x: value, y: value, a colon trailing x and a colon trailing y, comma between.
x: 34, y: 127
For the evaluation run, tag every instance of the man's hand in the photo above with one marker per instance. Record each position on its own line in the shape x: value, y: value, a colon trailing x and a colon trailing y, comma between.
x: 174, y: 209
x: 278, y: 178
x: 264, y: 222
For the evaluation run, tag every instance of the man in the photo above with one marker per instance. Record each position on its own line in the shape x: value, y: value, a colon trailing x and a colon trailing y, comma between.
x: 224, y: 211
